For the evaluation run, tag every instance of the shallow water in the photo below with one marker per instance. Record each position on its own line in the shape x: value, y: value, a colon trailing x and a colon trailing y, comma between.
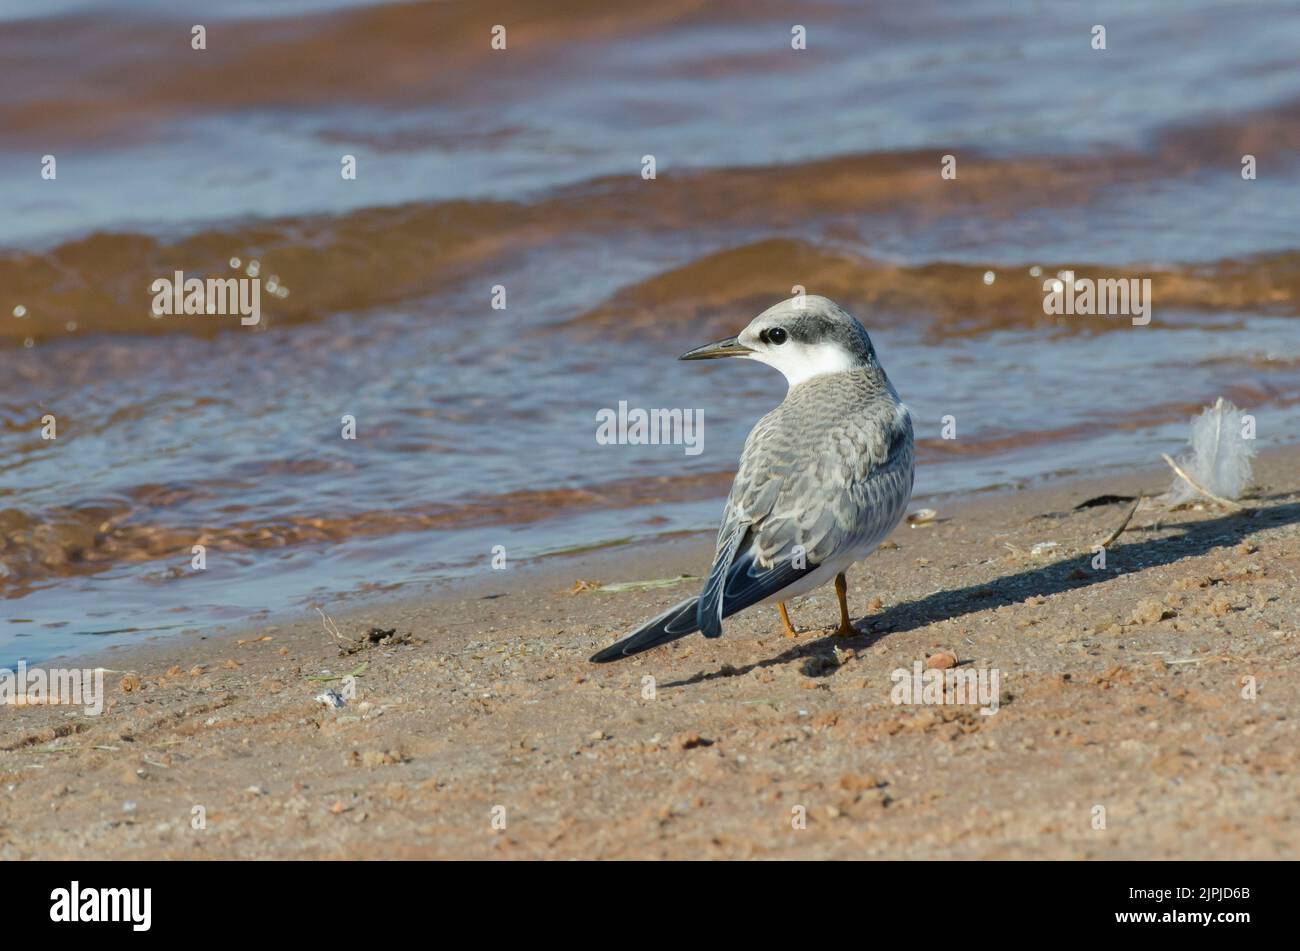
x: 476, y: 427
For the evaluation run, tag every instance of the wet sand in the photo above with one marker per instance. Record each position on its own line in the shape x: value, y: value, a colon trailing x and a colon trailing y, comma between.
x: 1120, y: 688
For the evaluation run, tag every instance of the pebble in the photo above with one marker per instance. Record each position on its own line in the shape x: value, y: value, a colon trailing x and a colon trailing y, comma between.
x: 941, y: 660
x: 332, y: 699
x: 1150, y: 611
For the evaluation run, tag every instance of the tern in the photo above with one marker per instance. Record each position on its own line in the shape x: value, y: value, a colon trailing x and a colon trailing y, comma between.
x: 823, y: 478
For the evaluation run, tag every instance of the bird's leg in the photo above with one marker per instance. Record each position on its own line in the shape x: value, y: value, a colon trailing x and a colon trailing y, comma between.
x: 846, y: 628
x: 785, y: 619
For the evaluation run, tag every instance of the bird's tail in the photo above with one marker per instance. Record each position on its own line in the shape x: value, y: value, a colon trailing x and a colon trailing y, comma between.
x: 674, y: 623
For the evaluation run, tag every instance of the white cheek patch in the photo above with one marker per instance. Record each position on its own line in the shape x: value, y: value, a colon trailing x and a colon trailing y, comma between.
x: 800, y: 362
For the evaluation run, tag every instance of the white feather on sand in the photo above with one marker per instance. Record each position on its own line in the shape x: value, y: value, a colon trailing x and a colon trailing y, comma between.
x: 1219, y: 457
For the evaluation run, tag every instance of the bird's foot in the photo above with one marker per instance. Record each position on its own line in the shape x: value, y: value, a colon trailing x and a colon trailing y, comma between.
x: 787, y: 628
x: 846, y: 628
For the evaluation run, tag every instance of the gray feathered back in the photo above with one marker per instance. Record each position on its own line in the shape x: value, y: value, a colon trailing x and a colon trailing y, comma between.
x: 831, y: 463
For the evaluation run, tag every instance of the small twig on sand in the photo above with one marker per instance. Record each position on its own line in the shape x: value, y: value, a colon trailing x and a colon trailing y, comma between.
x: 357, y: 671
x: 1227, y: 503
x: 1196, y: 660
x: 332, y: 629
x: 1128, y: 517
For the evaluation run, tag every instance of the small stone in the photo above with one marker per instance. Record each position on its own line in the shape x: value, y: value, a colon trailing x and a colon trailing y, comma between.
x: 332, y: 699
x: 373, y: 758
x: 941, y: 660
x: 1219, y: 606
x: 859, y: 783
x: 1150, y: 611
x: 819, y: 665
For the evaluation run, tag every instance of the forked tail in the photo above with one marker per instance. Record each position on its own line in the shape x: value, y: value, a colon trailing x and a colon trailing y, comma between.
x: 674, y: 623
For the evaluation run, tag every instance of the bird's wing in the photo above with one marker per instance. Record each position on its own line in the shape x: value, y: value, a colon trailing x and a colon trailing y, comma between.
x: 709, y: 610
x: 802, y: 496
x: 738, y: 581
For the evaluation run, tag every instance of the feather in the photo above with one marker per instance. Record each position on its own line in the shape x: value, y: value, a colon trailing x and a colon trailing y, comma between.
x: 1220, y: 454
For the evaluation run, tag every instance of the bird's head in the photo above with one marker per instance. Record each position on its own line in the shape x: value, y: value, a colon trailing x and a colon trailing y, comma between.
x: 803, y: 337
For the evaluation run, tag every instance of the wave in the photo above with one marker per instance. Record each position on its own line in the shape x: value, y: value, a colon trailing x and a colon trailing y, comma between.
x: 759, y: 220
x: 126, y: 76
x: 96, y: 535
x: 955, y: 298
x: 37, y: 547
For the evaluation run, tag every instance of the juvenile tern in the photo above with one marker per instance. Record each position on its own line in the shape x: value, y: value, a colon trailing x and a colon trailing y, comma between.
x: 823, y: 478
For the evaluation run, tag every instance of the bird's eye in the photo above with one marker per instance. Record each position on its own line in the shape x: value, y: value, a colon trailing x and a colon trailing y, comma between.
x: 776, y: 336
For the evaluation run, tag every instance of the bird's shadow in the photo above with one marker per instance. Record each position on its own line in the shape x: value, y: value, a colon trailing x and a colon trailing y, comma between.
x: 1068, y: 574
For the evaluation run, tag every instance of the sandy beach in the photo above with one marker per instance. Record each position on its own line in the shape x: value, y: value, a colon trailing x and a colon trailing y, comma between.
x: 314, y: 311
x: 479, y: 729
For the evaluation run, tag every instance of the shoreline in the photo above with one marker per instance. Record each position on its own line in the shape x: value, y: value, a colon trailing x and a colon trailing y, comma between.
x: 622, y: 562
x: 1120, y: 689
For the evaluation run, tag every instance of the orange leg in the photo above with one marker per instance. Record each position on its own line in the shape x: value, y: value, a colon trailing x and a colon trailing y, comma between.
x: 846, y: 628
x: 785, y: 620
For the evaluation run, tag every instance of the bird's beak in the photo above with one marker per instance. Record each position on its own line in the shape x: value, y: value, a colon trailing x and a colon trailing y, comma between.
x: 729, y: 347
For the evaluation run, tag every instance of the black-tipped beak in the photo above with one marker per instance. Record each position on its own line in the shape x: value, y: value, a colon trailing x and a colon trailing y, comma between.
x: 730, y: 347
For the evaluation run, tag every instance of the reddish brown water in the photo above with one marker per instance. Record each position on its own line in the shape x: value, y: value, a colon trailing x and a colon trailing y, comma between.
x: 522, y: 168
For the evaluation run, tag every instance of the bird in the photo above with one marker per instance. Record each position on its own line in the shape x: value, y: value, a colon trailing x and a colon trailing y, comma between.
x: 823, y: 478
